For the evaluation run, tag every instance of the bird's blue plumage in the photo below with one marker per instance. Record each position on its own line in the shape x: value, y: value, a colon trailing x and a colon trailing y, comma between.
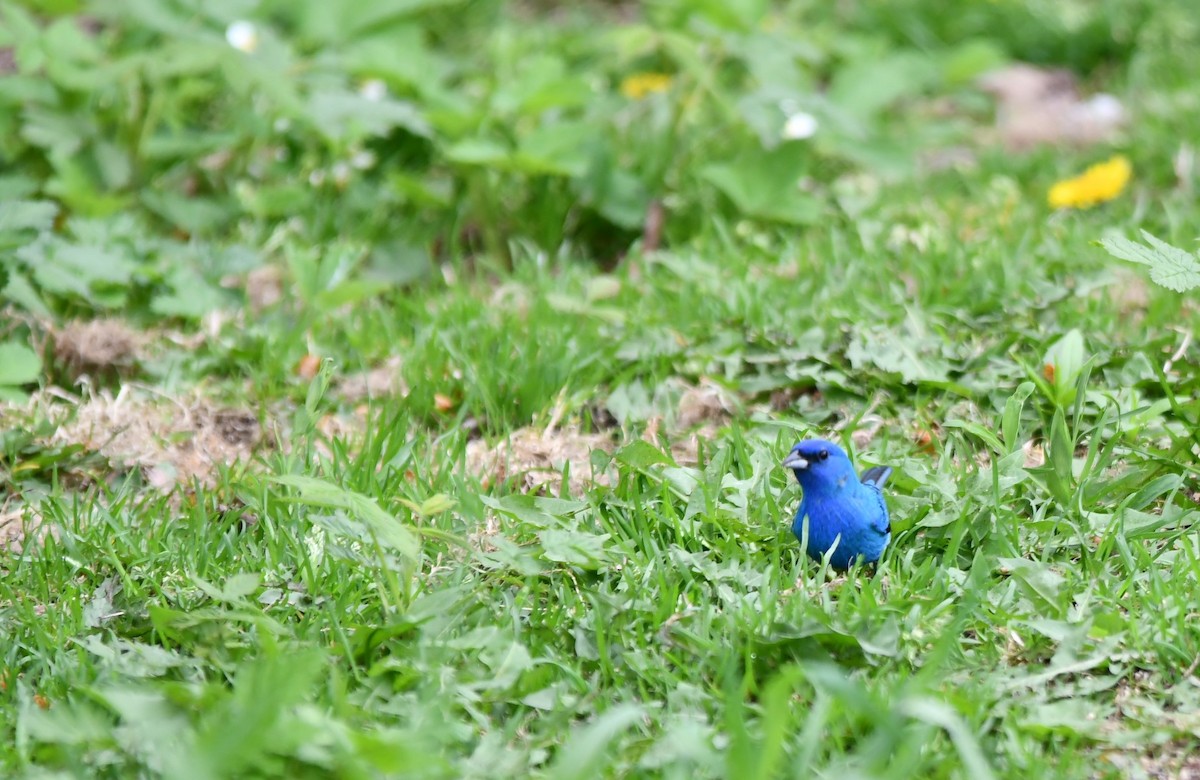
x: 840, y: 505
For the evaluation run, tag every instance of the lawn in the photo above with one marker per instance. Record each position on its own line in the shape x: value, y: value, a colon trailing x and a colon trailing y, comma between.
x: 398, y: 388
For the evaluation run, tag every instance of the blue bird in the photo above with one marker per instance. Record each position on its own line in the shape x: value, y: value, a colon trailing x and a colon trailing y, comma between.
x: 840, y: 506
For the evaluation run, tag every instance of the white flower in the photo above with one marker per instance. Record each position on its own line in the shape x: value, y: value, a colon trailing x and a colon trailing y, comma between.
x: 1106, y: 109
x: 340, y: 174
x: 363, y: 159
x: 242, y: 35
x: 799, y: 126
x: 373, y: 90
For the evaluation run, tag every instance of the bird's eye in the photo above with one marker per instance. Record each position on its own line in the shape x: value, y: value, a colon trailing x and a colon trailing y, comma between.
x: 824, y: 455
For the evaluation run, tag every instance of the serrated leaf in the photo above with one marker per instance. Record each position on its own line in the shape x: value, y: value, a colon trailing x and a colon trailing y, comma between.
x: 27, y: 215
x: 641, y: 455
x: 1170, y: 266
x: 584, y: 550
x: 191, y: 296
x: 898, y: 353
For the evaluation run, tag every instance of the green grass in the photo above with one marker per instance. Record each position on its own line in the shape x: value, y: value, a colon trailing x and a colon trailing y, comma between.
x: 373, y: 607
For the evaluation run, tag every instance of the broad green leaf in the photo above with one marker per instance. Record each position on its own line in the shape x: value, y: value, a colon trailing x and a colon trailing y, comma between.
x: 338, y: 114
x: 401, y: 55
x: 1060, y: 455
x: 574, y: 547
x: 985, y: 435
x: 582, y: 756
x: 237, y: 587
x: 19, y: 365
x: 730, y: 14
x: 640, y: 454
x: 272, y: 200
x: 62, y: 267
x: 331, y: 22
x: 538, y: 511
x: 386, y: 528
x: 191, y: 296
x: 871, y: 84
x: 1170, y: 266
x: 619, y: 195
x: 1062, y: 364
x: 971, y: 59
x: 1040, y: 584
x: 76, y: 723
x: 36, y: 215
x: 940, y: 714
x: 766, y: 184
x: 1011, y: 420
x: 240, y: 731
x: 902, y: 353
x: 1154, y: 490
x: 1072, y: 718
x: 436, y: 504
x: 152, y: 728
x: 478, y: 151
x: 542, y: 83
x: 561, y: 148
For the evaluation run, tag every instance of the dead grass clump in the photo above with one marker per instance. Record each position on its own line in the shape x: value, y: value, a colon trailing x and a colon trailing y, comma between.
x: 171, y: 440
x: 537, y: 459
x: 263, y: 286
x: 706, y: 402
x: 700, y: 414
x: 1129, y: 293
x: 104, y: 346
x: 383, y: 381
x: 19, y: 525
x: 1042, y: 106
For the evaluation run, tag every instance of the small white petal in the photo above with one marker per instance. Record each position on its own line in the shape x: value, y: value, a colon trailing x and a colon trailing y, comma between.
x: 364, y: 159
x: 242, y: 35
x: 799, y: 126
x: 1106, y: 108
x: 340, y: 174
x: 373, y: 89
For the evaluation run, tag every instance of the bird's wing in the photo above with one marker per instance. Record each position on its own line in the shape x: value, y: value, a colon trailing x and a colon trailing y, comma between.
x: 881, y: 521
x: 876, y: 476
x: 872, y: 495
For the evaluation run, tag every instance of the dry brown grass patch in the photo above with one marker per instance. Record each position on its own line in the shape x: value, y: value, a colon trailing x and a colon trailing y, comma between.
x: 172, y: 441
x: 537, y: 458
x: 102, y: 346
x: 1036, y: 106
x: 383, y: 381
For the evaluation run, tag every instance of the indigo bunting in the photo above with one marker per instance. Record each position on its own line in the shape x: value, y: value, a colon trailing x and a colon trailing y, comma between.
x: 840, y: 506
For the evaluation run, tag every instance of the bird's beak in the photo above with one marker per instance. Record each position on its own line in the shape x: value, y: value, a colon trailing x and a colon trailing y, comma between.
x: 794, y: 461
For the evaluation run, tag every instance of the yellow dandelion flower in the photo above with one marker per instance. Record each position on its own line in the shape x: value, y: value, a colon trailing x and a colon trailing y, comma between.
x: 1098, y: 184
x: 639, y: 85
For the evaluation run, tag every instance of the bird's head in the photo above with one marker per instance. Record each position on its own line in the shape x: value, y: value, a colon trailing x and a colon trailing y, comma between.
x: 819, y: 464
